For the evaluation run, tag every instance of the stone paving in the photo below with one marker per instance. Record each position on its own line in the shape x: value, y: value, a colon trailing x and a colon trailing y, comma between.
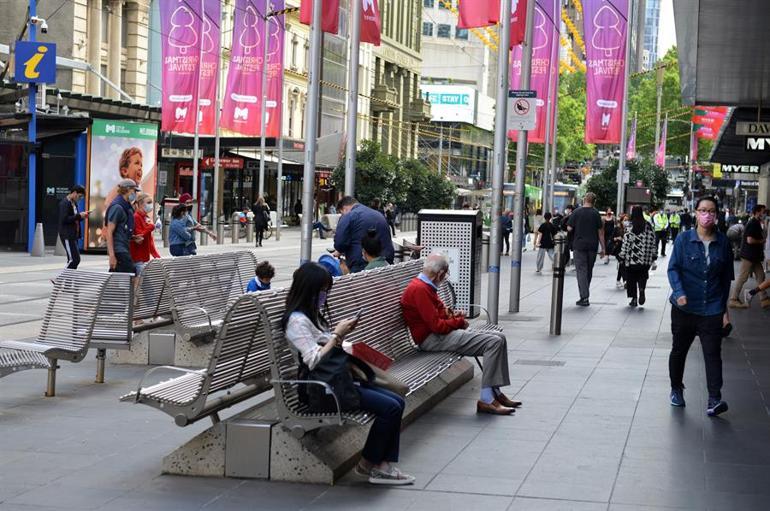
x: 596, y: 431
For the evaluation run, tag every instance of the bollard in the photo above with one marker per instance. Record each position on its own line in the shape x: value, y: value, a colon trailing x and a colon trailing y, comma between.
x: 165, y: 234
x: 59, y: 250
x: 204, y: 236
x: 484, y: 252
x: 250, y: 232
x: 38, y: 243
x: 101, y: 354
x: 235, y: 231
x: 220, y: 233
x: 557, y: 287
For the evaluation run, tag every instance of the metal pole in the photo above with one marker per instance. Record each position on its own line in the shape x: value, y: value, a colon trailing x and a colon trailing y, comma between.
x: 546, y: 153
x: 352, y: 111
x: 659, y: 93
x: 521, y: 168
x: 449, y: 153
x: 552, y: 177
x: 441, y: 150
x: 263, y: 108
x: 624, y: 119
x: 196, y: 140
x: 279, y: 184
x: 500, y: 155
x: 311, y: 133
x: 692, y: 142
x: 32, y: 137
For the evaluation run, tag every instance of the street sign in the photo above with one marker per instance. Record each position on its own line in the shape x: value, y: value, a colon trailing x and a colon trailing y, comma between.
x: 35, y: 62
x: 626, y: 176
x: 522, y: 112
x: 752, y: 128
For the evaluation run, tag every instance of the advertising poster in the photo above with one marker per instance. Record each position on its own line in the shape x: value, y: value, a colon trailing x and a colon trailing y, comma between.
x: 118, y: 150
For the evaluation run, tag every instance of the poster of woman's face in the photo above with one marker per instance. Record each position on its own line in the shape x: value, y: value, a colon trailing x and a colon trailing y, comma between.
x: 118, y: 150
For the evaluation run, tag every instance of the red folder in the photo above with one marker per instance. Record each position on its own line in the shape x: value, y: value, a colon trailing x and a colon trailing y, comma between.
x: 363, y: 351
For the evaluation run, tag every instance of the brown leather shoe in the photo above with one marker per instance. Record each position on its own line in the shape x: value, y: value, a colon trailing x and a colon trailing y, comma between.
x: 493, y: 408
x: 503, y: 400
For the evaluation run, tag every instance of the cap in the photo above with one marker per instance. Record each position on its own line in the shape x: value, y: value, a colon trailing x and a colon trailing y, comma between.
x: 128, y: 183
x: 185, y: 197
x: 331, y: 264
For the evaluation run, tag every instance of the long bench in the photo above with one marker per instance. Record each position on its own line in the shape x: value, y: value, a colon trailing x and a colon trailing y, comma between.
x: 70, y: 323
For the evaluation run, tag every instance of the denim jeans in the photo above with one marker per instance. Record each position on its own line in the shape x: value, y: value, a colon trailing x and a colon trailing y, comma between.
x: 684, y: 327
x: 541, y: 252
x: 383, y: 441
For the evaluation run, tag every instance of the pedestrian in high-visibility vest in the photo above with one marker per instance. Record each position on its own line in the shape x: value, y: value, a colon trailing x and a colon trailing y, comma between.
x: 660, y: 224
x: 674, y: 224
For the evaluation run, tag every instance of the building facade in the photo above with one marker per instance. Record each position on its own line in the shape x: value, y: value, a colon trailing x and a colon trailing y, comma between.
x: 651, y: 27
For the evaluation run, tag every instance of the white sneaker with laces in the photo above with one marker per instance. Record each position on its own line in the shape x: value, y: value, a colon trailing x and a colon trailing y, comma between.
x: 390, y: 476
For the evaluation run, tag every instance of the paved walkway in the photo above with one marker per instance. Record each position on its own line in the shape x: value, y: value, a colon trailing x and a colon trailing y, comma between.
x: 595, y: 432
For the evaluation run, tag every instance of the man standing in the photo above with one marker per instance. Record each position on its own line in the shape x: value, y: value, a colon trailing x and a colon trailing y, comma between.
x: 686, y: 220
x: 587, y: 228
x: 119, y: 230
x: 69, y: 224
x: 660, y: 223
x: 752, y: 256
x: 434, y: 327
x: 674, y: 223
x: 355, y: 222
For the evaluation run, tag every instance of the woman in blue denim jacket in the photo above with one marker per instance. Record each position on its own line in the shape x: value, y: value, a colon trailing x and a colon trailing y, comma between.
x: 700, y: 272
x: 179, y: 234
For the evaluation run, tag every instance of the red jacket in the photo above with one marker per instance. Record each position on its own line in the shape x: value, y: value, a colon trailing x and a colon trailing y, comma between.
x: 425, y: 313
x: 141, y: 252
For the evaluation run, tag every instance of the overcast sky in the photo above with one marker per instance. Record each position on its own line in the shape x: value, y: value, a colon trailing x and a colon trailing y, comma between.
x: 666, y: 34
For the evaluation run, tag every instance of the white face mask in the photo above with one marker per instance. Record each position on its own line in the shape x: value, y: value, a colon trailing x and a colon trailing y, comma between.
x: 148, y: 208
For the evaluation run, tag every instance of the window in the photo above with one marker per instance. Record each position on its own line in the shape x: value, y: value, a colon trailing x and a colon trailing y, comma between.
x: 294, y: 45
x: 427, y: 28
x: 292, y: 106
x: 123, y: 27
x: 105, y: 22
x: 123, y: 79
x: 461, y: 33
x: 428, y: 3
x: 444, y: 31
x: 102, y: 84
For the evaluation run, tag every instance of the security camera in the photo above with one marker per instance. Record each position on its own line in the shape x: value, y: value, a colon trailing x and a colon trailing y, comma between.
x: 43, y: 23
x: 43, y: 27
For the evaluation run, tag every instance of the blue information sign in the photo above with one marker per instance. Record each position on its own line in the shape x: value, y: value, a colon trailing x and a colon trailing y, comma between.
x: 35, y: 62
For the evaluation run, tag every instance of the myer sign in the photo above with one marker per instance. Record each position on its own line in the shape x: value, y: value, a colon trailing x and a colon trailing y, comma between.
x: 752, y: 128
x: 757, y: 143
x: 740, y: 169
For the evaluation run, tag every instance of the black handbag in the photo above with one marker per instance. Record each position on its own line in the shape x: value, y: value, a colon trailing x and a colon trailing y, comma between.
x: 334, y: 370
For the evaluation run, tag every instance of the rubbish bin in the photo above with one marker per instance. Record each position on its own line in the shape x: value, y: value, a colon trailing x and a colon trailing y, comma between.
x: 456, y: 234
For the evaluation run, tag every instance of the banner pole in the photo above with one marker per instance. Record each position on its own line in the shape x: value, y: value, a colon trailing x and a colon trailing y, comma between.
x: 352, y: 112
x: 279, y: 183
x: 552, y: 176
x: 311, y: 134
x: 500, y: 155
x: 620, y: 198
x: 196, y: 139
x: 263, y: 107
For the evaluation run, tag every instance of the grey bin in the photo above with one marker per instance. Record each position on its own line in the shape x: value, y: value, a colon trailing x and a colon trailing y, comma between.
x: 248, y: 448
x: 161, y: 348
x: 457, y: 234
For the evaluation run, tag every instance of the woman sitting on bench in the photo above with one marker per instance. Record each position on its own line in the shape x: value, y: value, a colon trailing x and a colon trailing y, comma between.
x: 321, y: 354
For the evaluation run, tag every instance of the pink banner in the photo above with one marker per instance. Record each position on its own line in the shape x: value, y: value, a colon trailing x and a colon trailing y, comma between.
x: 276, y: 30
x: 604, y: 26
x: 545, y: 54
x: 242, y: 101
x: 660, y: 154
x: 210, y: 68
x: 631, y: 148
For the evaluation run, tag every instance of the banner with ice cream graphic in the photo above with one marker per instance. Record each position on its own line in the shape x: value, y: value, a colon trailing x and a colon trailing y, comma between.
x: 605, y: 25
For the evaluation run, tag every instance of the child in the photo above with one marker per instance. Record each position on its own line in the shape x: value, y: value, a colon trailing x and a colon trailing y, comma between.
x: 265, y: 273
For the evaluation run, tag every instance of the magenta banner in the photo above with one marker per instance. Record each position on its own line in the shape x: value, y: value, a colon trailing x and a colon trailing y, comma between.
x: 180, y: 23
x: 276, y: 31
x: 604, y: 26
x: 660, y: 153
x: 241, y: 107
x: 210, y: 68
x: 545, y: 53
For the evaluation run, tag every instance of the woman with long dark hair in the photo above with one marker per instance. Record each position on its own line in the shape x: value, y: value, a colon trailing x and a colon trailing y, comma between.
x: 308, y: 331
x: 638, y: 253
x: 261, y: 220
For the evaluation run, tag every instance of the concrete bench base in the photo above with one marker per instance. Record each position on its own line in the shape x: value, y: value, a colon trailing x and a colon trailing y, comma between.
x: 138, y: 352
x: 148, y: 348
x: 322, y: 456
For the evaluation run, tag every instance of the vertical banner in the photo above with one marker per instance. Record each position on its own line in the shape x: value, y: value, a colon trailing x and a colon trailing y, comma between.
x: 693, y: 147
x: 330, y: 15
x: 518, y: 21
x: 371, y: 26
x: 604, y: 25
x: 180, y: 23
x: 474, y: 13
x: 544, y: 55
x: 660, y: 154
x: 241, y: 107
x: 631, y: 149
x: 210, y: 39
x: 276, y: 29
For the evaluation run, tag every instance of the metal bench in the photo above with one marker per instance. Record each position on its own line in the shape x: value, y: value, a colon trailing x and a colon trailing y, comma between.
x: 201, y: 288
x: 67, y: 328
x: 239, y: 368
x: 381, y: 325
x: 152, y: 307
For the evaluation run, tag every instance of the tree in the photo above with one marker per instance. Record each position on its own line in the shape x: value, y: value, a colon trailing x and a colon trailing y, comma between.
x: 570, y: 141
x: 375, y: 174
x: 604, y: 184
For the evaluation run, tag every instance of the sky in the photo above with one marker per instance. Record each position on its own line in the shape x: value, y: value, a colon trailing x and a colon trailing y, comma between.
x: 666, y: 32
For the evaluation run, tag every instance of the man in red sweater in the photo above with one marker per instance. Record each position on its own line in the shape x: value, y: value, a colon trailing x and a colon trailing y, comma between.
x: 434, y: 327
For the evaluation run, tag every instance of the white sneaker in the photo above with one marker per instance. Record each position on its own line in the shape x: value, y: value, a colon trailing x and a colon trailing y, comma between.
x: 392, y: 476
x: 618, y: 284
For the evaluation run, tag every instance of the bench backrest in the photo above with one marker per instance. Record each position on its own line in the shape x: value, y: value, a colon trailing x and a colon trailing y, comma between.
x: 112, y: 327
x: 72, y: 309
x: 240, y: 351
x: 153, y: 298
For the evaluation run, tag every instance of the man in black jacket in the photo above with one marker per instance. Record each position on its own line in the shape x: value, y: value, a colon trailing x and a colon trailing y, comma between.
x: 69, y: 224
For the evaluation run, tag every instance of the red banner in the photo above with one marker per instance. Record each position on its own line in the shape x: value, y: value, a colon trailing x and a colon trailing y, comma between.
x: 474, y: 13
x: 518, y: 20
x: 494, y: 11
x: 330, y: 15
x: 371, y: 26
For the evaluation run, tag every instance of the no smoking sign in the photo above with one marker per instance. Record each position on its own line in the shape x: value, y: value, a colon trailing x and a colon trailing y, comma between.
x: 521, y: 110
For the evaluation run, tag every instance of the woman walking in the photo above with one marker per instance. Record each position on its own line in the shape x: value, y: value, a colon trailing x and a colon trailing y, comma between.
x: 261, y: 219
x: 180, y: 238
x: 637, y: 252
x: 700, y: 272
x: 308, y: 331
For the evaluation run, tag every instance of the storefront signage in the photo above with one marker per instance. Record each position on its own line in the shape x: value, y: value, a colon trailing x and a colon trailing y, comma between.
x: 757, y: 143
x: 451, y: 103
x: 752, y: 128
x: 176, y: 152
x: 224, y: 163
x: 742, y: 169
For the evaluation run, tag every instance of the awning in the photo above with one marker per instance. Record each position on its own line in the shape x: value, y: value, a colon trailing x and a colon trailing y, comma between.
x: 256, y: 154
x: 730, y: 149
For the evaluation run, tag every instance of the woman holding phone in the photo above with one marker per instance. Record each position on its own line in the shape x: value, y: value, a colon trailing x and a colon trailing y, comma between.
x: 143, y: 245
x: 308, y: 331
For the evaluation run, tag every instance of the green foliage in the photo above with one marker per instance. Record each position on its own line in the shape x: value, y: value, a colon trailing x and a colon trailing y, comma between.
x: 572, y: 118
x: 604, y: 184
x: 407, y: 183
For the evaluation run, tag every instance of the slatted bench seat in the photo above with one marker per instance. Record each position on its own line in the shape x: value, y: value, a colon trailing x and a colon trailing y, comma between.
x: 152, y: 308
x: 201, y: 288
x: 381, y: 326
x: 239, y: 368
x: 12, y: 360
x: 68, y: 324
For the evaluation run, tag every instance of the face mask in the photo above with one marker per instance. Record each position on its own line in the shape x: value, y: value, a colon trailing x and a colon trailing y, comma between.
x: 148, y: 208
x: 132, y: 197
x: 321, y: 299
x: 706, y: 219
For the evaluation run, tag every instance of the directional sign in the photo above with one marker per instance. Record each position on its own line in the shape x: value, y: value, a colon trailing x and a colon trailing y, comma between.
x: 522, y: 114
x: 35, y: 62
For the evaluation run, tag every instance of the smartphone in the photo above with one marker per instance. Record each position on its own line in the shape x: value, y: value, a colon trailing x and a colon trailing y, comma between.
x: 358, y: 314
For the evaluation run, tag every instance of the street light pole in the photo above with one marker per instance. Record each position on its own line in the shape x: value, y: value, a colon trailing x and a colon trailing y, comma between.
x: 32, y: 137
x: 352, y: 112
x: 196, y: 139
